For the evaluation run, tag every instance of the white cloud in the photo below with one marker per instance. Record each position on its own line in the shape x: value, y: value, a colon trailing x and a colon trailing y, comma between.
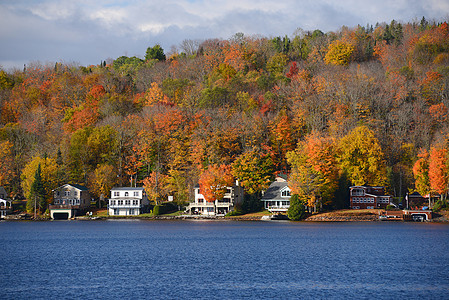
x: 89, y: 31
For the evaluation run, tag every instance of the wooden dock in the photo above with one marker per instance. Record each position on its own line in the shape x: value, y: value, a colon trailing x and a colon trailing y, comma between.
x: 406, y: 215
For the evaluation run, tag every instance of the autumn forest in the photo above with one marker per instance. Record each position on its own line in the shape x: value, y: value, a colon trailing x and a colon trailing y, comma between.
x: 358, y: 106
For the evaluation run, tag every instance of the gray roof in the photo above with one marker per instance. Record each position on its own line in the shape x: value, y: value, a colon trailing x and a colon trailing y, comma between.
x: 77, y: 186
x: 126, y: 188
x: 274, y: 191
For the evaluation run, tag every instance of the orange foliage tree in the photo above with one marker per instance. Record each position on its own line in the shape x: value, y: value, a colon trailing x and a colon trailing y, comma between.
x: 214, y: 182
x: 438, y: 170
x: 315, y: 171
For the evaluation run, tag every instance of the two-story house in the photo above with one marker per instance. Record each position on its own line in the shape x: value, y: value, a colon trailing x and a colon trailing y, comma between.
x: 276, y: 198
x: 366, y: 197
x: 220, y: 207
x: 128, y: 201
x: 69, y: 201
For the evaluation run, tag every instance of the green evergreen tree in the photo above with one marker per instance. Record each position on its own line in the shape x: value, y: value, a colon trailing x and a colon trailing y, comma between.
x: 37, y: 193
x: 297, y: 210
x: 155, y: 52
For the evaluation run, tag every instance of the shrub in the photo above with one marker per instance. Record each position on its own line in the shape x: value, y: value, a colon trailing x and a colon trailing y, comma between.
x: 156, y: 210
x: 235, y: 212
x: 164, y: 208
x: 390, y: 207
x: 440, y: 205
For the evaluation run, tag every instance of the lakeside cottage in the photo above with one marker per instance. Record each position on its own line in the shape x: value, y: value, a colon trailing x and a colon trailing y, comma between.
x: 369, y: 197
x: 69, y: 201
x: 127, y: 201
x: 276, y: 198
x: 233, y: 196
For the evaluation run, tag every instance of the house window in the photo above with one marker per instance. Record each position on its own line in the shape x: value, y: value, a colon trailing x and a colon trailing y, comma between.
x: 357, y: 192
x: 210, y: 209
x: 136, y: 194
x: 286, y: 193
x: 116, y: 194
x: 127, y: 202
x: 135, y: 202
x: 126, y: 194
x: 75, y: 193
x: 120, y: 202
x: 112, y: 202
x: 131, y: 211
x: 66, y: 193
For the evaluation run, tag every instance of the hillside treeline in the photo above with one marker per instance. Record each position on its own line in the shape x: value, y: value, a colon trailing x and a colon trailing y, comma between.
x: 365, y: 105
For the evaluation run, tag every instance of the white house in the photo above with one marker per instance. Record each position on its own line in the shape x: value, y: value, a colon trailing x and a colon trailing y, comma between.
x: 69, y: 200
x: 233, y: 196
x: 5, y: 205
x: 277, y: 197
x: 127, y: 201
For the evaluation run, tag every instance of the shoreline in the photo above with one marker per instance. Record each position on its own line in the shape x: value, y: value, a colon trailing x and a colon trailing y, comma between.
x: 335, y: 216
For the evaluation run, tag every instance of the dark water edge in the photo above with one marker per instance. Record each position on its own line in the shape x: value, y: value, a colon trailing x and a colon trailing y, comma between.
x: 137, y: 259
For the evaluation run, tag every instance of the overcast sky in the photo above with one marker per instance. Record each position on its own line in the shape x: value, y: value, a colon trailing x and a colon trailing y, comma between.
x: 89, y: 31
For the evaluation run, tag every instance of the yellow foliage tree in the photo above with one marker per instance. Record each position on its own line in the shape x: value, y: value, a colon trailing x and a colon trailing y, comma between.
x: 339, y: 53
x: 49, y: 169
x: 6, y: 162
x: 103, y: 180
x: 361, y: 157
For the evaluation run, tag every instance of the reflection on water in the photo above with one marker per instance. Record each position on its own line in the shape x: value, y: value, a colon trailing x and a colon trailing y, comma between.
x: 222, y: 260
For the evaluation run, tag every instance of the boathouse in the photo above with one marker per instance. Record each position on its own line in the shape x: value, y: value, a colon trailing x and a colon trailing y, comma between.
x: 70, y: 200
x: 5, y: 208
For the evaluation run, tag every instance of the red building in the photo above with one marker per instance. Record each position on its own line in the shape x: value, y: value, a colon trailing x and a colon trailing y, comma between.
x: 366, y: 197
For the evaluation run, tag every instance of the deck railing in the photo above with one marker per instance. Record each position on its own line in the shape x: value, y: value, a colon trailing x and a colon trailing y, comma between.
x: 125, y: 206
x: 63, y: 206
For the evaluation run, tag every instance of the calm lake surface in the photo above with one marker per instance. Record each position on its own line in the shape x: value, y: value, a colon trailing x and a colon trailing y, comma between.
x: 223, y: 260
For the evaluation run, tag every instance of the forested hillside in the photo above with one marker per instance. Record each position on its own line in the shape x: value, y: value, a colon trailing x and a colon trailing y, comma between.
x: 366, y: 105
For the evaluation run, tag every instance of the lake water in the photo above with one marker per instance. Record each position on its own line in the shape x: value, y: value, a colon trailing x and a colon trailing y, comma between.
x: 223, y: 260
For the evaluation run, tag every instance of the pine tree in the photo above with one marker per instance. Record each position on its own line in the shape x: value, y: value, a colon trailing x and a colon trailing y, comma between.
x: 37, y: 193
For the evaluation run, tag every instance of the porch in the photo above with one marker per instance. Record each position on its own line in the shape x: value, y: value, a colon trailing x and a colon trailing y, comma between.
x: 210, y: 208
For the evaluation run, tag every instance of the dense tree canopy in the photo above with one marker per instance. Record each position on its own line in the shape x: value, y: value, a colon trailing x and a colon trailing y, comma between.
x: 356, y: 103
